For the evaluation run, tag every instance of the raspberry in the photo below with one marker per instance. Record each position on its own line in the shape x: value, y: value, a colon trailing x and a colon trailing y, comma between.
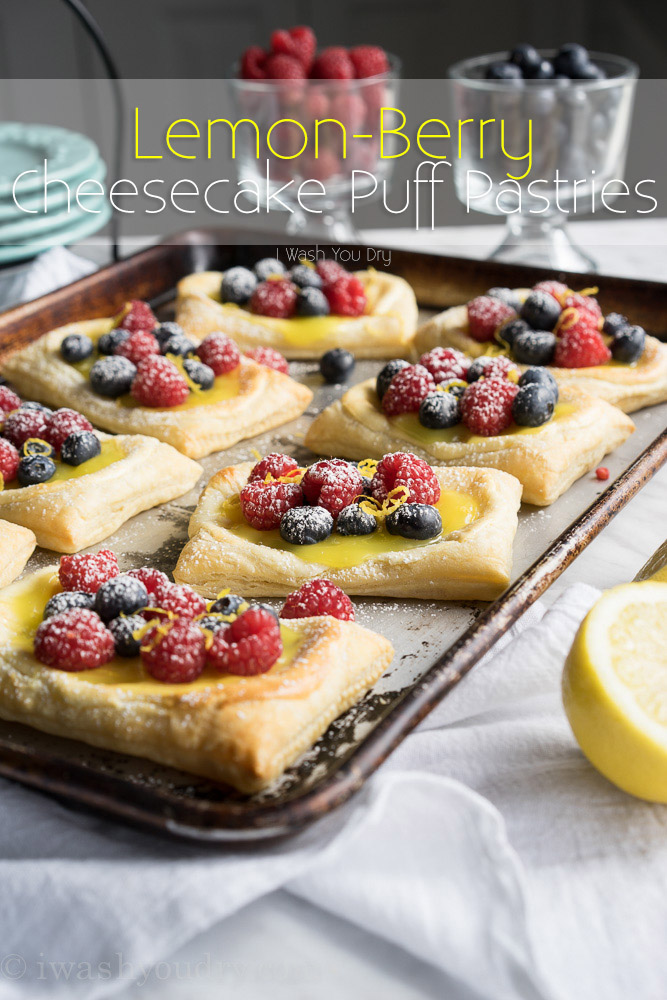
x: 263, y: 504
x: 74, y: 640
x: 346, y: 297
x: 23, y: 424
x: 498, y: 367
x: 139, y: 316
x: 333, y: 64
x: 274, y: 298
x: 138, y: 347
x: 153, y: 580
x: 330, y: 271
x: 369, y: 60
x: 316, y: 105
x: 485, y: 315
x: 332, y: 484
x: 486, y: 407
x: 219, y: 352
x: 275, y: 465
x: 61, y: 424
x: 270, y: 358
x: 251, y: 644
x: 177, y: 657
x: 555, y: 288
x: 404, y: 469
x: 406, y: 390
x: 349, y: 109
x: 318, y: 597
x: 181, y: 600
x: 9, y: 460
x: 585, y: 303
x: 252, y: 63
x: 8, y: 400
x: 282, y: 67
x: 581, y: 349
x: 299, y: 42
x: 158, y: 382
x: 87, y: 572
x: 323, y: 166
x: 445, y: 363
x: 574, y: 320
x: 602, y: 473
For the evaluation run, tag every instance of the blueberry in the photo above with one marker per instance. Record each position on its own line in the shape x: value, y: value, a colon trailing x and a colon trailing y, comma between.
x: 540, y: 311
x: 36, y: 406
x: 121, y: 595
x: 178, y: 345
x: 478, y: 368
x: 122, y: 630
x: 352, y: 520
x: 35, y: 469
x: 540, y: 376
x: 628, y: 344
x: 503, y: 71
x: 76, y: 347
x: 591, y: 72
x: 570, y: 60
x: 545, y: 71
x: 526, y: 57
x: 336, y: 365
x: 454, y: 386
x: 227, y: 605
x: 506, y: 295
x: 305, y: 277
x: 3, y: 380
x: 108, y: 342
x: 614, y: 323
x: 80, y: 447
x: 165, y: 331
x: 533, y: 405
x: 415, y: 520
x: 366, y: 483
x: 211, y: 623
x: 439, y: 410
x: 509, y: 331
x: 70, y: 599
x: 265, y: 607
x: 35, y: 446
x: 312, y: 302
x: 386, y: 375
x: 534, y: 347
x: 306, y: 525
x: 201, y: 374
x: 113, y: 376
x: 267, y: 266
x: 238, y: 284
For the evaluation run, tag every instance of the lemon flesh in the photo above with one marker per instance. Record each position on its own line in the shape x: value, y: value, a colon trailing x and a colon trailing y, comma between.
x: 615, y: 688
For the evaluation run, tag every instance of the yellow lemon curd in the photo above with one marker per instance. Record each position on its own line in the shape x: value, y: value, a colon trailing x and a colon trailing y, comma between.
x: 111, y: 451
x: 408, y: 424
x: 299, y: 331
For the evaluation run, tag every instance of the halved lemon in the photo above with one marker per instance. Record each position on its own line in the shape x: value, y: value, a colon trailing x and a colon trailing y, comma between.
x: 615, y: 688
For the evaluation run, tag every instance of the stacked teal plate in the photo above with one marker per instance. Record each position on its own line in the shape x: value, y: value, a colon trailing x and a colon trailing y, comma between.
x: 31, y: 222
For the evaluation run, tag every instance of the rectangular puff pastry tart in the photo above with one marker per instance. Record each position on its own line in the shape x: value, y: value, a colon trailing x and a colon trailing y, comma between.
x: 187, y: 695
x: 17, y: 544
x: 153, y: 383
x: 377, y: 321
x: 421, y: 532
x: 80, y: 505
x: 546, y: 459
x: 563, y: 330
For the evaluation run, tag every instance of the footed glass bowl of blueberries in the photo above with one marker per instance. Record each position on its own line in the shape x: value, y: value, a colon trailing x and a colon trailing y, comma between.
x: 578, y: 106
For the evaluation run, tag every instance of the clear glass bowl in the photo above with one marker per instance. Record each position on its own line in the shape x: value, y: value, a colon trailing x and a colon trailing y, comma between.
x: 580, y: 133
x: 356, y: 103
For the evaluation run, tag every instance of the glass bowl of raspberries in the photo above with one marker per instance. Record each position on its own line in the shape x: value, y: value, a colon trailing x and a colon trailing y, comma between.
x: 578, y: 105
x: 332, y: 98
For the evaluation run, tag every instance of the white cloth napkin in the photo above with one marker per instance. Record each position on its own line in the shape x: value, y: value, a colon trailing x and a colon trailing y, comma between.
x: 48, y: 271
x: 486, y: 846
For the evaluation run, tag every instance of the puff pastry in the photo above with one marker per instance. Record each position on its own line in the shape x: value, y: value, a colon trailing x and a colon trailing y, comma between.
x: 266, y: 398
x: 471, y: 563
x: 385, y: 331
x: 17, y: 544
x: 243, y: 731
x: 546, y: 461
x: 71, y: 514
x: 630, y: 387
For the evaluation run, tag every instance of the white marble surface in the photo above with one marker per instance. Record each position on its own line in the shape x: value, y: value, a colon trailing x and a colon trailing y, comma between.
x: 281, y: 946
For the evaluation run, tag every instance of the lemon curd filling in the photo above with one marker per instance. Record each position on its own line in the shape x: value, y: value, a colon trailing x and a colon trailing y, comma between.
x: 225, y: 387
x: 27, y: 608
x: 299, y: 331
x: 408, y: 424
x: 111, y: 451
x: 342, y: 551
